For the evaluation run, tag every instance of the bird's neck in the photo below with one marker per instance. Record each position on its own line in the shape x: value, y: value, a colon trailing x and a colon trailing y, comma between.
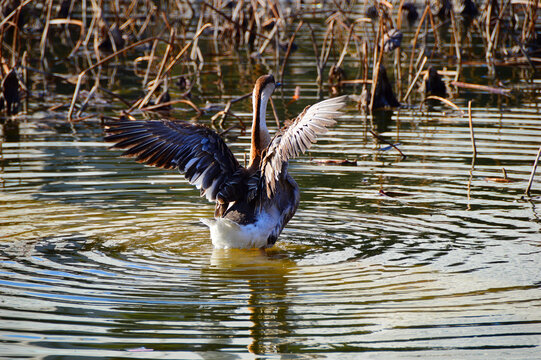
x: 260, y: 133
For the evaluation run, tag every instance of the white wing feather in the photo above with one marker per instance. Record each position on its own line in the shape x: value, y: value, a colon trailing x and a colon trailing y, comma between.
x: 299, y: 137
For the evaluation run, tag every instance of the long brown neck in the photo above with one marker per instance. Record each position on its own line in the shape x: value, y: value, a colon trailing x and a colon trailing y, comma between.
x: 260, y: 133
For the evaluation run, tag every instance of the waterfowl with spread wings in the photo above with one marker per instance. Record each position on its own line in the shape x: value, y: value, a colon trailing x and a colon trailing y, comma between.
x: 253, y: 203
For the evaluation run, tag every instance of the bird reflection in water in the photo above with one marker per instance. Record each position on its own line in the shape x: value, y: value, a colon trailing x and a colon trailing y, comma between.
x: 266, y: 274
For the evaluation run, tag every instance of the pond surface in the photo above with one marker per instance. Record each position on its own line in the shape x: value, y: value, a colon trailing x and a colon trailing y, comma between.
x: 423, y: 256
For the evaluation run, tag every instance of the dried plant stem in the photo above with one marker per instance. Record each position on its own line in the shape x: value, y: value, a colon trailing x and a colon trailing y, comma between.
x: 491, y: 89
x: 288, y: 51
x: 156, y: 83
x: 377, y: 61
x: 14, y: 12
x: 206, y: 4
x: 388, y: 143
x: 415, y: 78
x: 443, y: 100
x: 319, y: 70
x: 227, y: 111
x: 101, y: 62
x: 410, y: 69
x: 399, y: 16
x: 173, y: 102
x: 534, y: 168
x: 432, y: 24
x: 275, y: 113
x: 43, y: 41
x: 457, y: 44
x: 472, y: 134
x: 149, y: 62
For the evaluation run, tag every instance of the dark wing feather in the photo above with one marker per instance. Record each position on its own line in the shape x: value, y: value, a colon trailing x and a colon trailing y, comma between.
x: 297, y: 138
x: 194, y: 150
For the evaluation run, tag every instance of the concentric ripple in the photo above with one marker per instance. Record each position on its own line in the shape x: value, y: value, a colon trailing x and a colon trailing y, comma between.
x: 432, y: 255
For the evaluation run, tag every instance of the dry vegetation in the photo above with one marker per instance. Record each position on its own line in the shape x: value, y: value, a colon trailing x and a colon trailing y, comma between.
x: 169, y: 42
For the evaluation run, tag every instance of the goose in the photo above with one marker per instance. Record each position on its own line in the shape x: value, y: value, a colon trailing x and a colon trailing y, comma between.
x: 253, y: 203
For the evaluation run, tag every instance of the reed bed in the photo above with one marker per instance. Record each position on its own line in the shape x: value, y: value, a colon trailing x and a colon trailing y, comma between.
x: 358, y: 48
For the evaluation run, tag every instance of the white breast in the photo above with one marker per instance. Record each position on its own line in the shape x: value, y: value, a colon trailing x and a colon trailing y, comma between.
x: 227, y: 234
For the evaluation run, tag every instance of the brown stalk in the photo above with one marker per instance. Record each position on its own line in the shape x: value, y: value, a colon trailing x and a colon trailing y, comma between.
x: 156, y: 82
x: 355, y: 81
x: 15, y: 37
x: 164, y: 72
x: 491, y: 89
x: 399, y: 15
x: 101, y: 62
x: 410, y: 69
x: 432, y: 24
x: 319, y: 79
x: 224, y: 113
x: 173, y: 102
x: 388, y: 143
x: 530, y: 182
x: 443, y: 100
x: 378, y: 55
x: 412, y: 84
x: 457, y: 45
x: 274, y: 113
x: 14, y: 12
x: 328, y: 41
x: 78, y: 23
x: 472, y: 135
x: 149, y: 63
x: 288, y: 51
x: 43, y: 41
x: 206, y: 4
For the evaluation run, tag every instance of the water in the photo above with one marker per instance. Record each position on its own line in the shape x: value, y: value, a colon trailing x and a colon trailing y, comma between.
x: 101, y: 257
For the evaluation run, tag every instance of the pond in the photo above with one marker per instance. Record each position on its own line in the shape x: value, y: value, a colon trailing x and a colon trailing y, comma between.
x: 433, y: 254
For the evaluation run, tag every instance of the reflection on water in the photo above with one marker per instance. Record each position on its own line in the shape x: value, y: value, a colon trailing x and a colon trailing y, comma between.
x: 102, y: 257
x: 396, y: 257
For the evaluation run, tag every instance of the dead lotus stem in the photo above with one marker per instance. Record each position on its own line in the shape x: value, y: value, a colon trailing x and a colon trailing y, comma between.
x: 224, y: 113
x: 346, y: 44
x: 156, y: 82
x: 206, y: 4
x: 328, y: 41
x: 410, y: 88
x: 274, y: 113
x: 185, y: 48
x: 288, y: 51
x: 491, y: 89
x: 15, y: 37
x: 534, y: 168
x: 316, y: 56
x: 101, y: 62
x: 456, y: 38
x: 149, y: 63
x: 472, y: 134
x: 269, y: 39
x: 378, y: 55
x: 173, y: 102
x: 388, y: 143
x: 14, y: 12
x: 427, y: 9
x: 399, y: 15
x: 164, y: 72
x: 433, y: 25
x: 43, y: 41
x: 78, y: 23
x: 355, y: 81
x: 443, y: 100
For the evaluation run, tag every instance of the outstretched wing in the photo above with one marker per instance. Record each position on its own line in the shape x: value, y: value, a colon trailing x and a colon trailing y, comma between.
x: 298, y: 137
x: 194, y: 150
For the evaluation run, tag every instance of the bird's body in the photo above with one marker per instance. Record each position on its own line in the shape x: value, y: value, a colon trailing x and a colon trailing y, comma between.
x: 253, y: 203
